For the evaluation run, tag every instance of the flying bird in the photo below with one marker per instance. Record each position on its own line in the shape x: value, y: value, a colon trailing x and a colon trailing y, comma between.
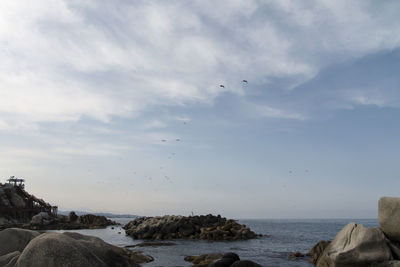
x: 221, y: 85
x: 245, y: 81
x: 177, y: 139
x: 163, y: 140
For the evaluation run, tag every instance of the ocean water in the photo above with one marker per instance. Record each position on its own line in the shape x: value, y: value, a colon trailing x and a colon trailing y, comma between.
x: 280, y: 237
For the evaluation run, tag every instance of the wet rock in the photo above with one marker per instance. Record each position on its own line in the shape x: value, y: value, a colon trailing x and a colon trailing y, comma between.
x: 296, y: 255
x: 316, y: 251
x: 140, y: 257
x: 203, y: 260
x: 356, y: 245
x: 231, y: 255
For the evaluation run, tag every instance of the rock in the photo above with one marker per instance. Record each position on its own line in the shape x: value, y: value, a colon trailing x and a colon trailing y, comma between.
x: 386, y: 264
x: 72, y: 217
x: 296, y: 255
x: 223, y: 262
x: 245, y: 263
x: 356, y: 245
x: 15, y: 239
x: 389, y: 216
x: 152, y: 244
x: 40, y: 218
x: 207, y: 227
x: 316, y: 251
x: 73, y: 249
x: 139, y: 257
x: 231, y: 255
x: 10, y: 257
x: 203, y: 260
x: 17, y: 201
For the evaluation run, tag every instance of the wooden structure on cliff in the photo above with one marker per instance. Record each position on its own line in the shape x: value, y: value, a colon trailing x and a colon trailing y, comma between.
x: 30, y: 204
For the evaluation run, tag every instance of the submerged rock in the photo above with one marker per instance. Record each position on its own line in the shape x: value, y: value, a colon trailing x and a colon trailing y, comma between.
x: 207, y: 227
x: 356, y: 245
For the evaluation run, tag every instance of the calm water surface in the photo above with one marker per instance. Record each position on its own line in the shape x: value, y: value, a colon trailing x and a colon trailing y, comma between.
x: 281, y: 237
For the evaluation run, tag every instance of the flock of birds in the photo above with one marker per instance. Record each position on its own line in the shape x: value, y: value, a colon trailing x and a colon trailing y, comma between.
x: 170, y: 155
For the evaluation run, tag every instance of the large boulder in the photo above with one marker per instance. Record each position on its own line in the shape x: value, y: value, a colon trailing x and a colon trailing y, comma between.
x: 356, y: 245
x: 15, y: 239
x: 389, y: 216
x: 39, y: 218
x: 73, y: 249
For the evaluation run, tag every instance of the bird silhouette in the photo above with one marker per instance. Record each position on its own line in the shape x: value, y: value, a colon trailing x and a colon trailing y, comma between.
x: 245, y: 81
x: 221, y: 85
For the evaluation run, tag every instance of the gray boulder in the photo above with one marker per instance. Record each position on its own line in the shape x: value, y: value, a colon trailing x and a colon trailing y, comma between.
x: 356, y: 245
x: 389, y: 216
x: 15, y: 239
x: 39, y: 218
x: 9, y: 258
x: 73, y: 249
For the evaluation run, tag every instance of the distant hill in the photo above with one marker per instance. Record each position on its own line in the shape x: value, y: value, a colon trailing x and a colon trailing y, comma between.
x: 105, y: 214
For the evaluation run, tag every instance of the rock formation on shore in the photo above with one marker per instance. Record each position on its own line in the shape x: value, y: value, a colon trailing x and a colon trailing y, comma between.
x: 356, y: 245
x: 206, y: 227
x: 18, y: 208
x: 20, y: 248
x: 218, y: 260
x: 44, y: 221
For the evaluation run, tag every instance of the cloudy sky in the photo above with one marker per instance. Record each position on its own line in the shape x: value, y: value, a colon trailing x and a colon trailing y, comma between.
x: 117, y: 105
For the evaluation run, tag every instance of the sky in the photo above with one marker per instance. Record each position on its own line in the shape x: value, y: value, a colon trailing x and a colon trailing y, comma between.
x: 116, y: 106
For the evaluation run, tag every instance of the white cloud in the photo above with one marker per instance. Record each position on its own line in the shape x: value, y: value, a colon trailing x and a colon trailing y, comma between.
x: 265, y: 111
x: 64, y: 60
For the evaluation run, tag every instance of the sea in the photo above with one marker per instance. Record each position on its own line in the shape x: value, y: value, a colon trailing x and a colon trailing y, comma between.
x: 280, y: 238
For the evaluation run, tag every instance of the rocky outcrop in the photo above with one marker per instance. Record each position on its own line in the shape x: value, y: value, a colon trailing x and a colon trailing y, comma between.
x: 66, y: 249
x: 218, y: 260
x: 206, y: 227
x: 356, y: 245
x: 44, y: 221
x: 389, y: 216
